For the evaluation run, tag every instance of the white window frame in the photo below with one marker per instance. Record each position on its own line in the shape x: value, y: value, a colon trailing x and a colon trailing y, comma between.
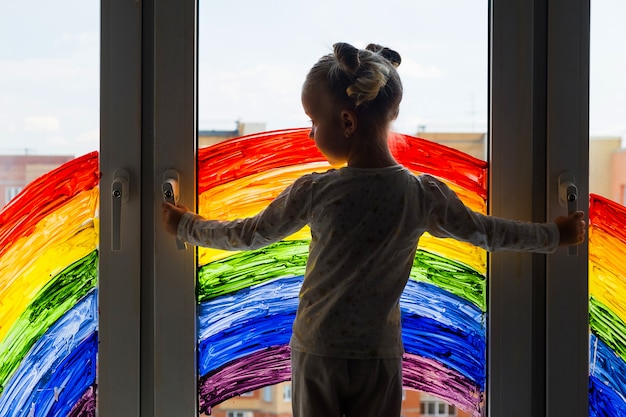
x: 267, y: 394
x: 537, y: 352
x: 538, y: 331
x: 119, y: 283
x: 287, y: 392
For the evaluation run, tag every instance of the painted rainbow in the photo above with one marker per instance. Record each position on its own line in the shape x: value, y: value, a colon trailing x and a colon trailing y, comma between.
x: 48, y: 308
x: 247, y: 300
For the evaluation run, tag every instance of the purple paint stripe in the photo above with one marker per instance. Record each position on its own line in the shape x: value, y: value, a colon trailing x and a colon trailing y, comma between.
x: 432, y: 377
x: 272, y: 365
x: 265, y: 367
x: 86, y: 406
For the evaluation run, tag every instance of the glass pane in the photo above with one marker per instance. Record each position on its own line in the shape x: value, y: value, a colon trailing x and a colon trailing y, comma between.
x: 49, y: 124
x: 607, y: 214
x: 255, y: 91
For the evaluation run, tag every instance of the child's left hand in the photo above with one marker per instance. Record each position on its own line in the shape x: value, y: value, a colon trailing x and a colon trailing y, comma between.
x: 572, y: 228
x: 171, y: 216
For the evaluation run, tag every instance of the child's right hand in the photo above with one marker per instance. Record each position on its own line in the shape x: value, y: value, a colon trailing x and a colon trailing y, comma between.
x: 572, y: 228
x: 171, y: 216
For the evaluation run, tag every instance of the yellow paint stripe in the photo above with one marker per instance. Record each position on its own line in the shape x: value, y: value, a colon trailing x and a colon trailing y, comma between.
x: 247, y: 196
x: 60, y: 239
x: 607, y: 271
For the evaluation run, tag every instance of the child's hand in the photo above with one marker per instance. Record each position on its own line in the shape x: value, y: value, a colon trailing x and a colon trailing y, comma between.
x: 572, y: 228
x: 171, y: 216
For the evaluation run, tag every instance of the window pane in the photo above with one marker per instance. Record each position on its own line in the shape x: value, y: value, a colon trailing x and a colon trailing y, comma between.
x: 252, y: 85
x: 607, y: 214
x: 49, y: 132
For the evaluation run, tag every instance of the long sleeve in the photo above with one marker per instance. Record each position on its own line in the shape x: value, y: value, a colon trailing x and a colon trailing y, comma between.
x: 285, y: 215
x: 449, y: 217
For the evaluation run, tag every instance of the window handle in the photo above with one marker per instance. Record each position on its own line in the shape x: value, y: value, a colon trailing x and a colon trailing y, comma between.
x: 169, y: 189
x: 119, y: 196
x: 568, y: 197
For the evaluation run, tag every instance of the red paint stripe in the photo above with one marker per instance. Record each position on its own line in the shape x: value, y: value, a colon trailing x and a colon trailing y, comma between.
x: 252, y: 154
x: 44, y: 195
x: 608, y: 216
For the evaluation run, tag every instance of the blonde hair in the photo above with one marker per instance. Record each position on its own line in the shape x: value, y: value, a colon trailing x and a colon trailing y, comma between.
x: 365, y: 80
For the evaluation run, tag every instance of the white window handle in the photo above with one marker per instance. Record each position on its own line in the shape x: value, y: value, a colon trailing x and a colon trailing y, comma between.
x: 119, y: 196
x: 169, y: 189
x: 568, y: 197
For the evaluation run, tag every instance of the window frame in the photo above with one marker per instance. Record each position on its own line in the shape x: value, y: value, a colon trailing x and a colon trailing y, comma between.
x: 532, y: 299
x: 539, y: 56
x: 119, y: 272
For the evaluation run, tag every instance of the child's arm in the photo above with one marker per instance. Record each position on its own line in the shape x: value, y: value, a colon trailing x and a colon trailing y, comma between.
x: 285, y: 215
x: 449, y: 217
x: 571, y: 228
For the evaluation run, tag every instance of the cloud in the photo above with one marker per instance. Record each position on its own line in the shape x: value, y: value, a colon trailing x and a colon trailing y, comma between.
x: 41, y: 124
x: 260, y: 93
x: 411, y: 68
x: 39, y: 69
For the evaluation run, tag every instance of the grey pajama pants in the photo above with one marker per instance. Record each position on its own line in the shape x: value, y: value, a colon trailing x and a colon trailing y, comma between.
x: 335, y: 387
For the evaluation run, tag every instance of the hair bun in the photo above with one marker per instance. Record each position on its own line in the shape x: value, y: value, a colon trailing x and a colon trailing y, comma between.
x: 348, y: 55
x: 389, y: 54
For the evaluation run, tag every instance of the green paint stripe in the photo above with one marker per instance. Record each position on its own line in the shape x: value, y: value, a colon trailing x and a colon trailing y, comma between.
x: 288, y: 258
x: 452, y: 276
x: 244, y: 269
x: 59, y: 295
x: 608, y: 326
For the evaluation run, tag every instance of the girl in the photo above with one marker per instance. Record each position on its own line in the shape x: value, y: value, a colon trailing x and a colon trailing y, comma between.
x: 366, y: 219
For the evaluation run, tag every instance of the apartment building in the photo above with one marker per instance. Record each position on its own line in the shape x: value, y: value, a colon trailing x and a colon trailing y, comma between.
x: 16, y: 171
x: 275, y: 401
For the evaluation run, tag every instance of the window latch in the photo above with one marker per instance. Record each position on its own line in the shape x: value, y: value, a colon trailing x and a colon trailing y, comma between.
x: 169, y: 189
x: 568, y: 197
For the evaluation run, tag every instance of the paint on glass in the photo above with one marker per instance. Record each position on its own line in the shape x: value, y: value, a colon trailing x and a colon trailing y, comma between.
x: 48, y: 276
x: 247, y: 300
x: 607, y: 308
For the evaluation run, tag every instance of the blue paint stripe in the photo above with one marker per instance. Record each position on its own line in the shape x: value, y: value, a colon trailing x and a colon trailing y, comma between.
x: 604, y: 401
x: 608, y: 368
x: 451, y: 330
x: 75, y: 375
x: 29, y: 387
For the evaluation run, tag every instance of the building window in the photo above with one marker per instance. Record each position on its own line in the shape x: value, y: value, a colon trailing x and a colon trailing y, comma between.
x: 267, y: 394
x: 11, y: 192
x: 247, y: 394
x: 437, y: 408
x: 237, y: 413
x: 287, y: 392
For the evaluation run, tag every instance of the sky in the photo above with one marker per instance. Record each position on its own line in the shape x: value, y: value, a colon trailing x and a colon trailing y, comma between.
x: 253, y: 57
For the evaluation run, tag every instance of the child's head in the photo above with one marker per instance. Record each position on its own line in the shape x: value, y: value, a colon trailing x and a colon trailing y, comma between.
x: 362, y: 80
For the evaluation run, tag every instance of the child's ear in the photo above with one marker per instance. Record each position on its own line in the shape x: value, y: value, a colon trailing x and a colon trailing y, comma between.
x: 349, y: 120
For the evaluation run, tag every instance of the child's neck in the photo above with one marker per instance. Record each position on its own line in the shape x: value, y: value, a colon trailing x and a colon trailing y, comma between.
x: 380, y: 157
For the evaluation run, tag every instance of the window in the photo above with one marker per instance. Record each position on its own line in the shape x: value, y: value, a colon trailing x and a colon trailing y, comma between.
x: 130, y: 61
x: 239, y: 413
x: 287, y: 392
x: 258, y: 90
x: 267, y: 394
x: 49, y: 116
x: 437, y: 408
x: 11, y: 192
x: 433, y: 406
